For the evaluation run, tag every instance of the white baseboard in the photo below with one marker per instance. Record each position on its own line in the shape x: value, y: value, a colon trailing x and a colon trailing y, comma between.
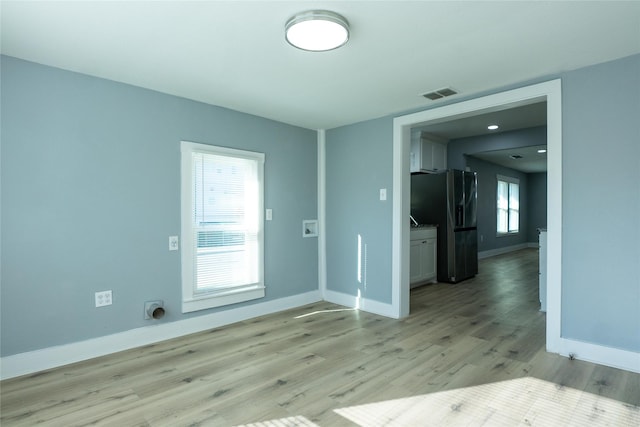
x: 505, y: 250
x: 602, y: 355
x: 39, y: 360
x: 47, y: 358
x: 360, y: 303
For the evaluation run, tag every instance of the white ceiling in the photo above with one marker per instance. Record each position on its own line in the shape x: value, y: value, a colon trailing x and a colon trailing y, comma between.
x: 233, y: 53
x: 510, y: 119
x: 530, y: 161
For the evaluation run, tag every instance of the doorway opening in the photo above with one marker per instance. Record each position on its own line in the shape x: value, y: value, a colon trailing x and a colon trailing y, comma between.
x: 549, y: 92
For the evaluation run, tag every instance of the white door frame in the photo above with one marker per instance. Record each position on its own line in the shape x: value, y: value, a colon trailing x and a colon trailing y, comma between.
x: 551, y: 92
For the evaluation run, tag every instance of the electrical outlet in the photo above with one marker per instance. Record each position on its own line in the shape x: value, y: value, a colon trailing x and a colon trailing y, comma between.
x: 104, y: 298
x: 269, y: 215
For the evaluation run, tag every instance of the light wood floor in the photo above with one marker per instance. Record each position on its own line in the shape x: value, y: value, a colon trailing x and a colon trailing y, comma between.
x: 469, y: 354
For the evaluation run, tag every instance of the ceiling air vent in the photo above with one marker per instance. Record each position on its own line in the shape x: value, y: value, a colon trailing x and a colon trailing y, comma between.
x: 440, y: 93
x: 515, y: 156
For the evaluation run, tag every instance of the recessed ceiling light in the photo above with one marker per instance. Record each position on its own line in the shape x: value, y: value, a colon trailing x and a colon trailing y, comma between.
x: 542, y: 150
x: 317, y: 30
x: 492, y: 127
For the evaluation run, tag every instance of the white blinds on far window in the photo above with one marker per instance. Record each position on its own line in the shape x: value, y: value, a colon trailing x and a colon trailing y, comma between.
x: 503, y: 206
x: 514, y: 207
x: 225, y: 222
x: 508, y: 198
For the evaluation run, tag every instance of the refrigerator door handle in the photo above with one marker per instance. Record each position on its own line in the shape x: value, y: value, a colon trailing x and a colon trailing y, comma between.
x: 459, y: 215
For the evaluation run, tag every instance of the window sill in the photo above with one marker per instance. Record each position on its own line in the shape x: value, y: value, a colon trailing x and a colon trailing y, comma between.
x: 219, y: 300
x: 513, y: 233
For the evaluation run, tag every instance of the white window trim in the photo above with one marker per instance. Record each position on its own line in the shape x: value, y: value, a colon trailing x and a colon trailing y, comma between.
x: 508, y: 179
x: 191, y: 302
x: 511, y: 180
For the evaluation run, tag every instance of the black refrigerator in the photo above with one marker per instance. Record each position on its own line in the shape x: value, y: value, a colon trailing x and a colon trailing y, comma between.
x: 449, y: 200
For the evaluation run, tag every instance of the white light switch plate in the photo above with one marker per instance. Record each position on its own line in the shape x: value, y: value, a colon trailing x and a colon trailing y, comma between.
x: 269, y: 214
x: 173, y: 243
x: 383, y: 194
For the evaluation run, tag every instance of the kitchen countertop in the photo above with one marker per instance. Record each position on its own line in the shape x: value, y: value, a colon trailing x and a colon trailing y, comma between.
x: 427, y: 231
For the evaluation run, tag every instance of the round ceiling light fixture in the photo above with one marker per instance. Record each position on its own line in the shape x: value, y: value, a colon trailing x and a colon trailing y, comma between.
x: 317, y: 30
x: 492, y: 127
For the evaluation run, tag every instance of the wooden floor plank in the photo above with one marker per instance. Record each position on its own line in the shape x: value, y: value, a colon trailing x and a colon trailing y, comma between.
x: 470, y: 353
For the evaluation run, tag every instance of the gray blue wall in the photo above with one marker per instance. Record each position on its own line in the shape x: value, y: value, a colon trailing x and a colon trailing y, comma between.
x: 91, y: 192
x: 601, y: 204
x: 533, y: 191
x: 487, y: 193
x: 90, y: 173
x: 358, y: 165
x: 536, y: 204
x: 601, y: 186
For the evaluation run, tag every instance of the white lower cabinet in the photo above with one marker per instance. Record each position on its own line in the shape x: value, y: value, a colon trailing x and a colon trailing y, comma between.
x: 422, y: 258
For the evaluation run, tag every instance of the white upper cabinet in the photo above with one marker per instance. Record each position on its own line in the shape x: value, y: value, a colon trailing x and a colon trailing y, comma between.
x: 428, y: 153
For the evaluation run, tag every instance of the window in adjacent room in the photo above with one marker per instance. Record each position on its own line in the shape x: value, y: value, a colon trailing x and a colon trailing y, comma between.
x: 508, y: 205
x: 222, y: 226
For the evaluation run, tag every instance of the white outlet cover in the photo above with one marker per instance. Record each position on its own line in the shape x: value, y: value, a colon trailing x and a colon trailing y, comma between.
x: 103, y: 298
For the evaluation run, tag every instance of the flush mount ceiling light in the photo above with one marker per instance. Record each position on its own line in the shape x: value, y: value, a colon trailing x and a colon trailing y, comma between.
x: 492, y: 127
x: 317, y: 30
x: 542, y: 151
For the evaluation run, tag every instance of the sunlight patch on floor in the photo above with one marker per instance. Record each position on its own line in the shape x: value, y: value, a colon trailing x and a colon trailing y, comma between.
x: 518, y: 402
x: 298, y: 421
x: 324, y: 311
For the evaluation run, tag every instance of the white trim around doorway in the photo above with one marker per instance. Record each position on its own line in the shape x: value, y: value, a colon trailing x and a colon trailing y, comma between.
x: 551, y: 92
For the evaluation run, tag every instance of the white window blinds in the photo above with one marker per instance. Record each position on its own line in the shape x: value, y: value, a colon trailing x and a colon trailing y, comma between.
x: 224, y: 222
x: 508, y: 204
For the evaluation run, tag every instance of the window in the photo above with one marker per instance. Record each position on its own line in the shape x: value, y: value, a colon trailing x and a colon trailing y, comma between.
x: 222, y: 226
x: 508, y: 205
